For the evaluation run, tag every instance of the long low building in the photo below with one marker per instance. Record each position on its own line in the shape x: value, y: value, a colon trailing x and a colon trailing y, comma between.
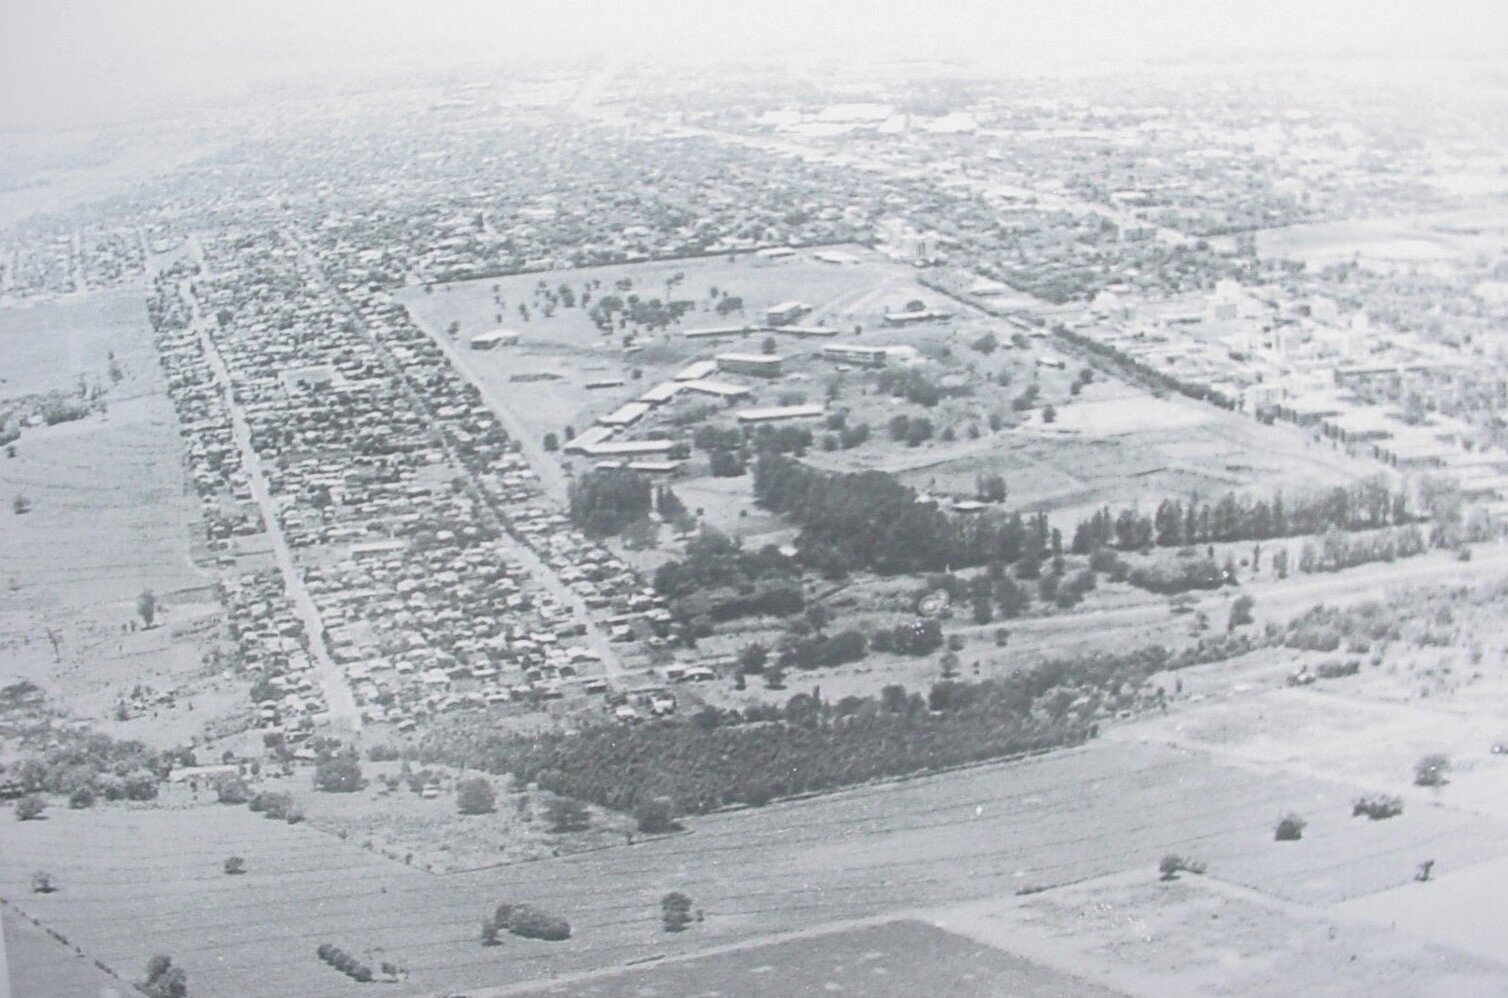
x: 776, y: 413
x: 807, y: 332
x: 663, y: 392
x: 720, y: 389
x: 628, y: 448
x: 761, y: 365
x: 852, y: 353
x: 695, y: 372
x: 625, y: 415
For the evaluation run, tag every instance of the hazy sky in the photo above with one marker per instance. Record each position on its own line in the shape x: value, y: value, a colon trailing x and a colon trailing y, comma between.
x: 70, y: 60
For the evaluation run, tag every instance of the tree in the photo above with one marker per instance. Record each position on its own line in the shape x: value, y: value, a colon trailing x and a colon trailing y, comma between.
x: 1290, y: 828
x: 552, y: 442
x: 655, y: 815
x: 146, y: 607
x: 21, y: 504
x: 231, y: 789
x: 30, y: 808
x: 43, y: 883
x: 1049, y: 413
x: 768, y: 345
x: 675, y: 911
x: 567, y: 814
x: 338, y: 775
x: 81, y: 797
x: 489, y: 932
x: 234, y: 865
x: 1240, y: 612
x: 475, y: 795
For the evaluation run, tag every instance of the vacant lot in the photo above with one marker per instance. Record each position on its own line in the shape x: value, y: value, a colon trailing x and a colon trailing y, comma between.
x: 139, y: 881
x: 109, y: 513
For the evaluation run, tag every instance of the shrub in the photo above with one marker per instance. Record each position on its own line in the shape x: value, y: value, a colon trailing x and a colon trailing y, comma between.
x: 1290, y: 828
x: 231, y: 789
x: 657, y: 814
x: 1430, y: 770
x: 325, y: 951
x: 235, y: 865
x: 489, y: 932
x: 675, y: 911
x: 340, y: 775
x: 362, y: 973
x: 475, y: 795
x: 30, y: 807
x: 42, y: 882
x: 1377, y: 806
x: 81, y: 798
x: 534, y: 923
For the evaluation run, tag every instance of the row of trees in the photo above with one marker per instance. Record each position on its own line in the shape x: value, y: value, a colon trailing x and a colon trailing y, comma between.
x: 1175, y: 523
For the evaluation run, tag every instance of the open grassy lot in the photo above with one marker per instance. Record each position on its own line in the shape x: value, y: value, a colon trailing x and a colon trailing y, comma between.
x: 1459, y: 908
x: 109, y: 517
x: 138, y: 881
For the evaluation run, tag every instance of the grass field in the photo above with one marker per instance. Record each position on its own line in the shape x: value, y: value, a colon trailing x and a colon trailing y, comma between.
x: 109, y: 515
x: 139, y: 881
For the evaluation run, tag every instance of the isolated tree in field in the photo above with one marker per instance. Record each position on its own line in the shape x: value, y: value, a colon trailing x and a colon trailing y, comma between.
x: 42, y: 882
x: 475, y: 795
x: 234, y: 865
x: 1049, y: 413
x: 1290, y: 828
x: 675, y: 911
x: 21, y: 504
x: 489, y: 932
x: 1377, y: 806
x: 339, y: 775
x: 1430, y: 770
x: 30, y: 807
x: 567, y: 814
x: 146, y: 607
x: 552, y: 442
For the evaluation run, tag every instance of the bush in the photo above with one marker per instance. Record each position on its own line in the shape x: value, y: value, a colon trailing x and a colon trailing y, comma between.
x: 1377, y: 806
x: 489, y: 932
x: 362, y: 973
x: 1290, y: 828
x: 675, y: 911
x: 530, y: 922
x: 475, y: 795
x: 30, y: 807
x: 325, y: 951
x: 231, y: 789
x: 81, y: 798
x: 235, y: 865
x: 657, y: 814
x: 1430, y: 770
x: 340, y: 775
x: 42, y: 882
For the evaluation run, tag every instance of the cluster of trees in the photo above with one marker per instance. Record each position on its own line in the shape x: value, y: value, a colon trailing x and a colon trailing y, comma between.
x: 870, y: 520
x: 85, y: 765
x: 277, y: 805
x: 1232, y: 517
x: 921, y: 637
x: 913, y: 431
x: 1336, y: 551
x: 604, y: 502
x: 1178, y: 575
x: 339, y: 774
x: 724, y: 758
x: 910, y: 384
x: 614, y: 312
x: 719, y: 580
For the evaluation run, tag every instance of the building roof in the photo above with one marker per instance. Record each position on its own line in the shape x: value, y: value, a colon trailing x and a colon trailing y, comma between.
x: 781, y: 412
x: 625, y: 414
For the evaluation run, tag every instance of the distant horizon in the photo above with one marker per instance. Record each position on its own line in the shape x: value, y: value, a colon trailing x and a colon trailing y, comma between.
x: 85, y: 62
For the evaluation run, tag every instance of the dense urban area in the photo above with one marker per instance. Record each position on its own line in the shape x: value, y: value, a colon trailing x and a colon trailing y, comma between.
x: 615, y: 532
